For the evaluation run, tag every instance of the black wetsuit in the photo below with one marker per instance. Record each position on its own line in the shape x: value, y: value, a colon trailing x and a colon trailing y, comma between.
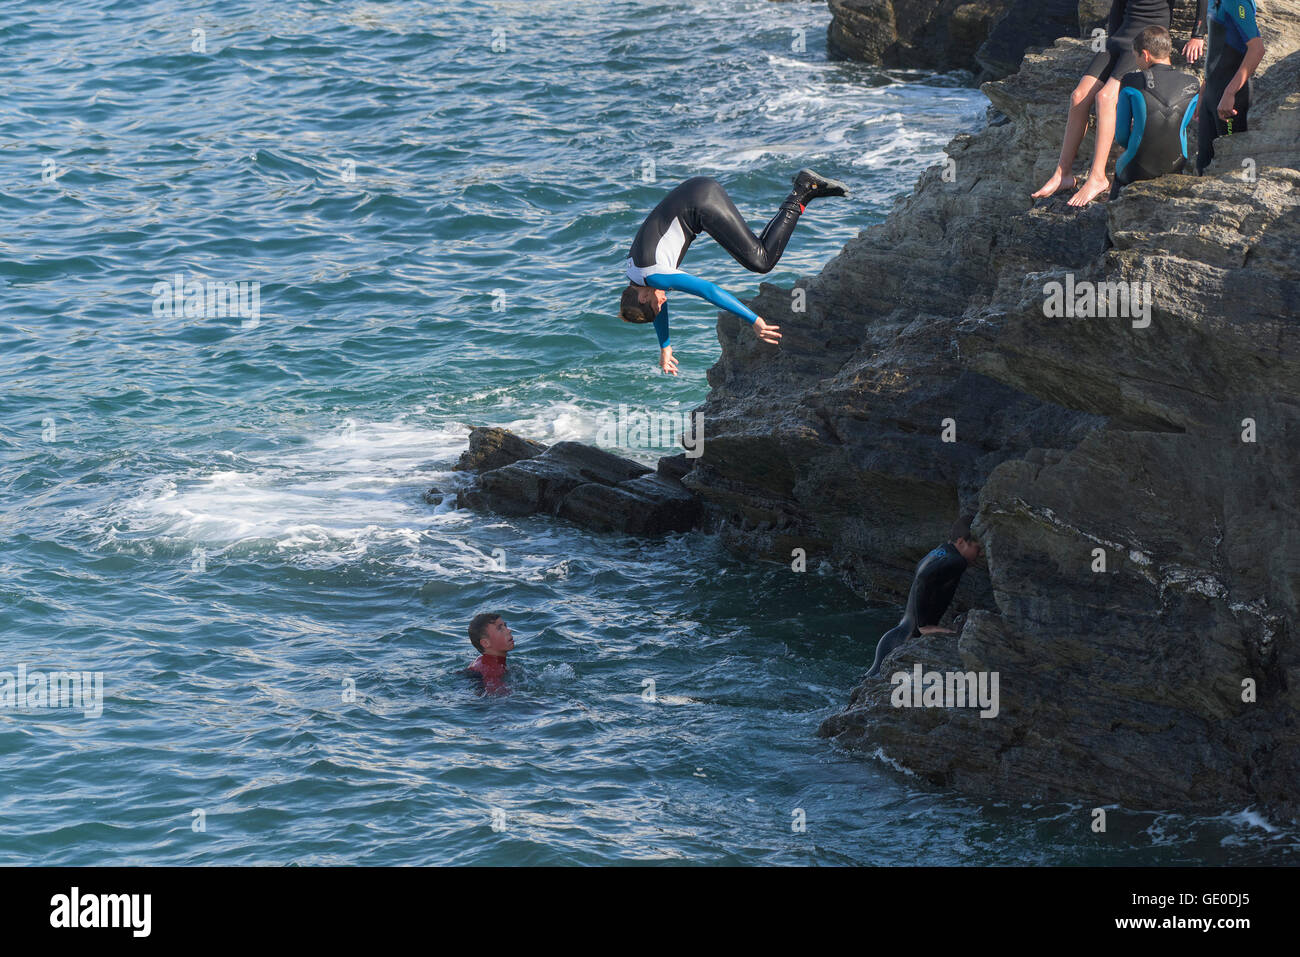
x: 1151, y: 119
x: 701, y: 205
x: 932, y: 589
x: 1232, y: 27
x: 1127, y: 19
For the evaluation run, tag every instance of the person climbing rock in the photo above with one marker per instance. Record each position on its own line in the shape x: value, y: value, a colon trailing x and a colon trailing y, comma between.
x: 933, y: 586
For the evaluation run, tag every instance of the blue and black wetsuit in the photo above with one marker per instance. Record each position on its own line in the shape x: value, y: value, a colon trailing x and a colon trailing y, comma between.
x: 1232, y: 27
x: 932, y: 589
x: 1127, y: 19
x: 1151, y: 119
x: 701, y: 205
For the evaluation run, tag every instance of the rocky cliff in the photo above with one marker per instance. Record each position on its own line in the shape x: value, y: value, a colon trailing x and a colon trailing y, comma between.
x: 986, y: 37
x: 1169, y: 676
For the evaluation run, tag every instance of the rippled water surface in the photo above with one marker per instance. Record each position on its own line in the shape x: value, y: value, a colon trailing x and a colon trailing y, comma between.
x: 225, y: 515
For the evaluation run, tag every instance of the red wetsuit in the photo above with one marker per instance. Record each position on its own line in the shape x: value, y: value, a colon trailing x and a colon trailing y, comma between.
x: 492, y: 669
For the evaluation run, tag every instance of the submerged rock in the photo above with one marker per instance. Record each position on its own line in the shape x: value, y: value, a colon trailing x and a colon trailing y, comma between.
x: 586, y: 485
x: 1134, y: 482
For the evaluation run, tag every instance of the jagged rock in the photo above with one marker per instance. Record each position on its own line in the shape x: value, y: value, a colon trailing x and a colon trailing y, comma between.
x: 648, y: 505
x: 589, y: 486
x: 675, y: 466
x: 1025, y: 24
x: 1076, y: 438
x: 989, y: 38
x: 917, y: 34
x: 491, y: 448
x: 833, y: 441
x: 985, y: 37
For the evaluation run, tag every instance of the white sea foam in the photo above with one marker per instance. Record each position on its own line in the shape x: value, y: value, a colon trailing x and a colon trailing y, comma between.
x: 342, y: 490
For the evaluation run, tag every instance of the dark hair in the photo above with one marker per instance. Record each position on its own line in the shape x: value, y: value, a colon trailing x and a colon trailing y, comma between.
x: 478, y: 624
x: 631, y: 308
x: 961, y: 529
x: 1155, y: 40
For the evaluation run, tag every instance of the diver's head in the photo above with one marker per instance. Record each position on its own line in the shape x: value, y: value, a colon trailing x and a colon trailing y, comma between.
x: 641, y: 303
x: 1152, y: 45
x: 490, y: 635
x: 964, y: 540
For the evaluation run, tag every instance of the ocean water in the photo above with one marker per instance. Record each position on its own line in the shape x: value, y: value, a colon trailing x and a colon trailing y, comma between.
x: 225, y: 517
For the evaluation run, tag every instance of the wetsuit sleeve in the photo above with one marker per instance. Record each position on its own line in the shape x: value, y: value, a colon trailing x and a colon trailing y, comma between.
x: 685, y: 282
x: 1187, y: 121
x: 661, y: 326
x: 1123, y: 118
x: 1198, y: 31
x: 1243, y: 18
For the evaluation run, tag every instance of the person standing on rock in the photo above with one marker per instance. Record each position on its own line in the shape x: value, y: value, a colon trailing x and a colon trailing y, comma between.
x: 1101, y: 82
x: 1234, y: 54
x: 701, y: 205
x: 932, y: 589
x: 1156, y: 106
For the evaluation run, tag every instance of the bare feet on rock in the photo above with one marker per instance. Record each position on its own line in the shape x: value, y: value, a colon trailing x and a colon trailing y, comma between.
x: 1090, y: 190
x: 1058, y: 181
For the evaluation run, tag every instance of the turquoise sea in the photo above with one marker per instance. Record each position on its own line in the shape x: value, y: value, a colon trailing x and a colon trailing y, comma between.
x: 224, y: 515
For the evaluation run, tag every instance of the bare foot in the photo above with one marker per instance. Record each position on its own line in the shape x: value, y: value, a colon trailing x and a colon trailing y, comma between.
x: 1058, y: 181
x: 1090, y: 190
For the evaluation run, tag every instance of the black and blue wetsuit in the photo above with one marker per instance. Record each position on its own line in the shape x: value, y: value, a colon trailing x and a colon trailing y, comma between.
x: 701, y: 205
x: 1151, y: 119
x: 1127, y: 19
x: 932, y: 589
x: 1232, y: 27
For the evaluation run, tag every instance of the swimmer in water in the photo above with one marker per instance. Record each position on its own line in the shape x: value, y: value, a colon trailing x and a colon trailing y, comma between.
x: 492, y: 638
x: 932, y: 589
x: 1156, y: 105
x: 1101, y: 82
x: 701, y: 205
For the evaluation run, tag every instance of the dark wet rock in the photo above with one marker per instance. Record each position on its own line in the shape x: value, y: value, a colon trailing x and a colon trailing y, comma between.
x: 647, y: 505
x: 1026, y: 24
x: 586, y: 485
x: 912, y: 34
x: 988, y: 38
x: 1075, y: 437
x: 491, y: 448
x: 985, y: 37
x: 675, y: 466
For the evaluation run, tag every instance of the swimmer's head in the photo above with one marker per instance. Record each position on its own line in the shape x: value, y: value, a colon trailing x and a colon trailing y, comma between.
x: 964, y: 540
x: 490, y: 635
x: 1153, y: 45
x: 641, y: 303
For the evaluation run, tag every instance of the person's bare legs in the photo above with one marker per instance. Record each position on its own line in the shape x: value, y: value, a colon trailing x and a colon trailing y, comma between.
x: 1096, y: 184
x: 1075, y: 126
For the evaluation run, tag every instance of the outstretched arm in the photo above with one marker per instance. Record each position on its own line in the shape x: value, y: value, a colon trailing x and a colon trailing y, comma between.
x: 666, y: 361
x: 685, y: 282
x: 661, y: 326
